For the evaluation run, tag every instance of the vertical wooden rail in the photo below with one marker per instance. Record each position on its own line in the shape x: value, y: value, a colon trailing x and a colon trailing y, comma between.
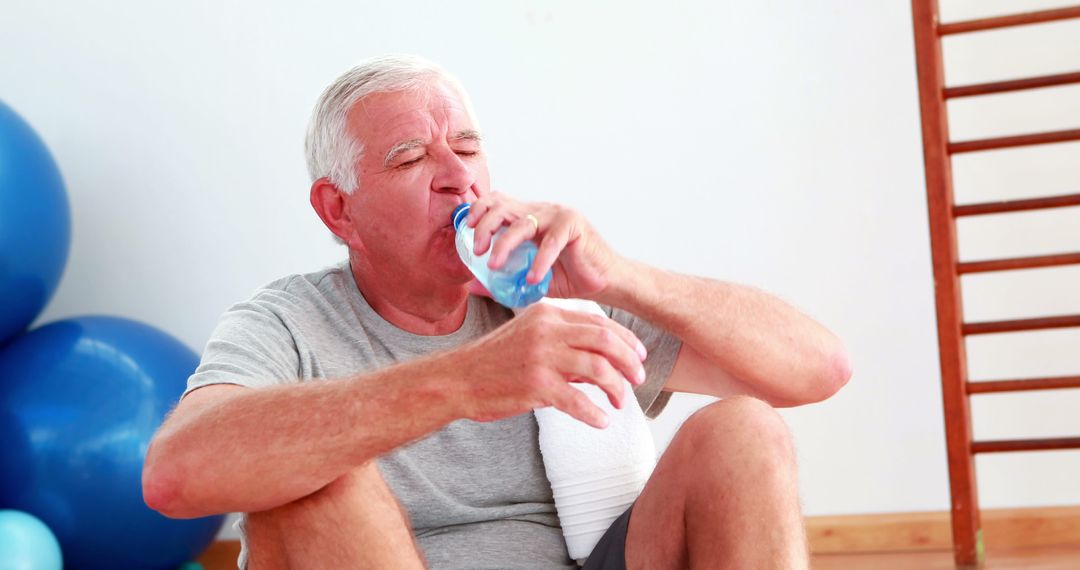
x: 968, y: 547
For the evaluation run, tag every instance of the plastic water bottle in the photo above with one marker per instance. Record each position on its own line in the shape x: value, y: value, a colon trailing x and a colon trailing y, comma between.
x: 507, y: 283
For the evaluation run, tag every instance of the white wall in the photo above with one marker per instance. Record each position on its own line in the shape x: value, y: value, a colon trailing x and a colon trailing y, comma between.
x: 775, y: 143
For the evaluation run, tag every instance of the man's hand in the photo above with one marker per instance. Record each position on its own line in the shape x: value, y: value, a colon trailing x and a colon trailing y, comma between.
x: 580, y: 261
x: 528, y: 363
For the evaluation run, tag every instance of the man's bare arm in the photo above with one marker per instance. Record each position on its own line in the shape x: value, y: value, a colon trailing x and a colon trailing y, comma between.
x: 234, y: 449
x: 228, y: 448
x: 736, y: 339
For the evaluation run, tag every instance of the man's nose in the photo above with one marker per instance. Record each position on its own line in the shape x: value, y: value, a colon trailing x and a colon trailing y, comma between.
x: 453, y: 175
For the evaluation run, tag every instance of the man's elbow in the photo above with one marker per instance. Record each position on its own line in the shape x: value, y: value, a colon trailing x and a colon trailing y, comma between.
x: 834, y: 375
x: 161, y: 484
x: 820, y: 381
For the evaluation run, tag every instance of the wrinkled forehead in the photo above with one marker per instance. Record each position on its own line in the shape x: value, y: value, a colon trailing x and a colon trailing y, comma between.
x: 381, y: 118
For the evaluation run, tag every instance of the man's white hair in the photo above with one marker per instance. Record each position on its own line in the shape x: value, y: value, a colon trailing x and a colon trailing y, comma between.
x: 332, y: 152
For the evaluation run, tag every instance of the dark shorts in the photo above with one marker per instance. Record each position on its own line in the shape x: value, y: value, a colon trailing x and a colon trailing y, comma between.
x: 610, y: 552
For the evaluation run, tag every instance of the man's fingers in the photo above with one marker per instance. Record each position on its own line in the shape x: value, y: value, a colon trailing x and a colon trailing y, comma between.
x: 597, y: 370
x: 516, y: 234
x: 478, y: 208
x: 622, y: 333
x: 551, y: 246
x: 577, y: 404
x: 605, y: 345
x: 486, y: 227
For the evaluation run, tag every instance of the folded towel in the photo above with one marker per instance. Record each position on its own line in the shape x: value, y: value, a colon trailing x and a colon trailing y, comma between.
x: 595, y: 474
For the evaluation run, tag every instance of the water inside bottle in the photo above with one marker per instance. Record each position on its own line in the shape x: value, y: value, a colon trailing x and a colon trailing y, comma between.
x: 506, y: 284
x: 510, y: 288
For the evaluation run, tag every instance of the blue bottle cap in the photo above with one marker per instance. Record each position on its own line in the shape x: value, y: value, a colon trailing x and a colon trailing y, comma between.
x: 459, y: 215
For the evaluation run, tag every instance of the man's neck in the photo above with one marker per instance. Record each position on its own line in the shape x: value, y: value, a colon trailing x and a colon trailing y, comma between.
x: 431, y: 311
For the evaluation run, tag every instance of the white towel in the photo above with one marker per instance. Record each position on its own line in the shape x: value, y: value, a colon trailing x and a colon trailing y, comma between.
x: 595, y: 474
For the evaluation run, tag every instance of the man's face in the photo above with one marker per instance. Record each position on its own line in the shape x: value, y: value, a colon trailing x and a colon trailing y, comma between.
x: 422, y: 157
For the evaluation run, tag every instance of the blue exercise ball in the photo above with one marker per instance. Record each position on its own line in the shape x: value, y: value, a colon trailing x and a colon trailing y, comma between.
x: 35, y: 224
x: 27, y: 544
x: 79, y: 401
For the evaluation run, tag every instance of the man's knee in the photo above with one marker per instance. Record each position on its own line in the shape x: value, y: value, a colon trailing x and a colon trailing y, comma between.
x: 738, y: 424
x: 337, y: 490
x: 345, y: 497
x: 362, y: 480
x: 355, y: 517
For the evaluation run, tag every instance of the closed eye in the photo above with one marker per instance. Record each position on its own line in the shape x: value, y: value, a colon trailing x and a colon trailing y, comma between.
x: 409, y: 163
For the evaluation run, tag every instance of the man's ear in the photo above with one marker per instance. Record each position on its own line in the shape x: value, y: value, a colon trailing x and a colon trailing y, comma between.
x: 329, y: 203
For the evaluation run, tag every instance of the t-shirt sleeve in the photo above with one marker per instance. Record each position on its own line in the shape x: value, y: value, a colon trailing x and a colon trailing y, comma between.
x: 663, y: 348
x: 250, y: 346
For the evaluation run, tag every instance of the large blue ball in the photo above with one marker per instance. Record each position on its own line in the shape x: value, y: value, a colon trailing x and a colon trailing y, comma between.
x: 35, y: 224
x: 79, y: 402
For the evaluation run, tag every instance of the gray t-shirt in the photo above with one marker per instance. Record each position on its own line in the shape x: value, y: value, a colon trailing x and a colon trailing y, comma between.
x: 475, y: 492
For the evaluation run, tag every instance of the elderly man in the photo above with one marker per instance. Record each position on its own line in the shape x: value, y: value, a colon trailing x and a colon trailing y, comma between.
x: 419, y: 447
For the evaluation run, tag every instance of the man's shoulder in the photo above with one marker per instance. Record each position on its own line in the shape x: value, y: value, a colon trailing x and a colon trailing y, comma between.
x: 299, y: 290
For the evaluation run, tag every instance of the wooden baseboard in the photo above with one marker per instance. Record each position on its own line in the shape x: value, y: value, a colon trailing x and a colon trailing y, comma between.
x: 898, y: 532
x: 892, y: 532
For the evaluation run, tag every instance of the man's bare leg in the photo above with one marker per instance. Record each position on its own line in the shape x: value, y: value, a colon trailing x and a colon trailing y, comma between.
x: 724, y: 495
x: 354, y: 522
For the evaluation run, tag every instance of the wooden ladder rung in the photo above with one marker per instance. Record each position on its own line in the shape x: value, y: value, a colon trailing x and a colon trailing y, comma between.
x: 1014, y: 141
x: 1012, y: 85
x: 1014, y: 263
x: 1040, y: 323
x: 1025, y: 444
x: 1008, y: 21
x: 1016, y: 205
x: 1023, y: 384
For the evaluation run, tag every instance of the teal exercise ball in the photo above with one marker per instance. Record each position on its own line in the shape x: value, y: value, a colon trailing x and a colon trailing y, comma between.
x: 35, y: 224
x: 27, y: 544
x: 80, y: 400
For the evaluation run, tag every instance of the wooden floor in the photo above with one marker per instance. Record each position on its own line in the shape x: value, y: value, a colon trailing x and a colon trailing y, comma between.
x: 222, y: 556
x: 1040, y: 558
